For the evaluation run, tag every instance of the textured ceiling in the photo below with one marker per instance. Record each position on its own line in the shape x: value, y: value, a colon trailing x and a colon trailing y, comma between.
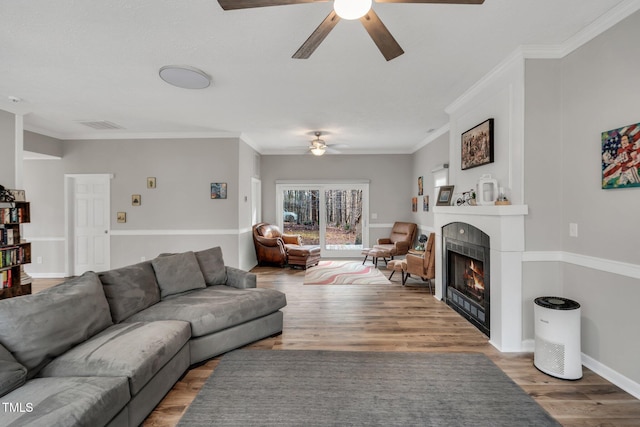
x: 88, y: 60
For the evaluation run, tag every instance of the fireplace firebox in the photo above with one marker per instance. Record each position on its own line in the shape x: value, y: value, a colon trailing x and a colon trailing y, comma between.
x: 466, y: 273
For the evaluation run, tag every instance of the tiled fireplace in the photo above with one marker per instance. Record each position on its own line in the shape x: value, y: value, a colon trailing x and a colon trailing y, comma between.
x: 489, y: 271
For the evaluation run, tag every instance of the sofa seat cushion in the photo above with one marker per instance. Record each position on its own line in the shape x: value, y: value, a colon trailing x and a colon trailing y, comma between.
x: 66, y: 402
x: 133, y: 350
x: 130, y: 289
x: 215, y: 308
x: 37, y: 328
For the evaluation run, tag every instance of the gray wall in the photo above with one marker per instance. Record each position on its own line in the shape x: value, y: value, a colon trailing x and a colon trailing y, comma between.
x: 424, y: 161
x: 600, y: 87
x: 569, y: 103
x: 8, y: 149
x: 178, y: 215
x: 36, y: 143
x: 390, y: 190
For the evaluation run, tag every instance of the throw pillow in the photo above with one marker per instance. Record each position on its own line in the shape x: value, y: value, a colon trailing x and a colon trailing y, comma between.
x: 212, y: 266
x: 12, y: 374
x: 37, y: 328
x: 178, y: 273
x: 130, y: 289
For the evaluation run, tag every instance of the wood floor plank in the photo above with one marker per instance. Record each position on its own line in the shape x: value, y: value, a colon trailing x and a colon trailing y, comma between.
x: 397, y: 318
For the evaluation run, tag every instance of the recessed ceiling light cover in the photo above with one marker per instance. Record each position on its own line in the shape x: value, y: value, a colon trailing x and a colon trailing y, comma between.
x: 185, y: 76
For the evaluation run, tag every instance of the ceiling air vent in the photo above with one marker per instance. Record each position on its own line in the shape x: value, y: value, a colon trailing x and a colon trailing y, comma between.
x: 100, y: 125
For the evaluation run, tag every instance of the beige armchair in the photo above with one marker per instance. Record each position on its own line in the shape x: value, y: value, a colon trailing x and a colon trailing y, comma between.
x: 401, y: 239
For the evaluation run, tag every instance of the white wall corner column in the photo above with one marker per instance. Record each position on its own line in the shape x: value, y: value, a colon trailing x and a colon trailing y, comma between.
x: 505, y: 227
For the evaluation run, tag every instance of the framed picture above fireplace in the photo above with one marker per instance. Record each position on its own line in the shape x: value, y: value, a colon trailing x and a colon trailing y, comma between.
x: 477, y: 145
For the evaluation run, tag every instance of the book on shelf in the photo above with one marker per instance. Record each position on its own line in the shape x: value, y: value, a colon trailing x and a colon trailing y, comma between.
x: 6, y: 279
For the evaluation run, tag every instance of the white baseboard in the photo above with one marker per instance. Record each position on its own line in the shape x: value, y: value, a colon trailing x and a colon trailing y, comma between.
x: 631, y: 387
x: 47, y: 275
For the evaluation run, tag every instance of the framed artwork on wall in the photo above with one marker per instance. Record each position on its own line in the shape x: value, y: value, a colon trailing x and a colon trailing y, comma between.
x: 477, y: 145
x: 621, y: 157
x: 420, y: 186
x: 151, y: 182
x: 414, y: 204
x: 136, y: 200
x: 121, y: 217
x: 218, y: 190
x: 425, y: 203
x: 445, y: 195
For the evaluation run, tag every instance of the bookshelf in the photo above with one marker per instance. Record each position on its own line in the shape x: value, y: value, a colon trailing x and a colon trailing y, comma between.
x: 14, y: 251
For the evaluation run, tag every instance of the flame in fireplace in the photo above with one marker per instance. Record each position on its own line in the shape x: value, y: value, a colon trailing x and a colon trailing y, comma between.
x: 474, y: 276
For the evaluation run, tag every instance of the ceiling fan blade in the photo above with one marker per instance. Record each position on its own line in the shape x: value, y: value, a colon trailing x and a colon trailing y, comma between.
x: 433, y: 1
x: 248, y: 4
x: 317, y: 36
x: 381, y: 36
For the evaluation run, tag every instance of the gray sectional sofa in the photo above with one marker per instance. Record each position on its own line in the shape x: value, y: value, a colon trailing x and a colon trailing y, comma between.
x: 104, y: 348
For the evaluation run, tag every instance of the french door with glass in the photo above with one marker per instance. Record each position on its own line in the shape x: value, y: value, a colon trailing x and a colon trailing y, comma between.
x: 331, y: 215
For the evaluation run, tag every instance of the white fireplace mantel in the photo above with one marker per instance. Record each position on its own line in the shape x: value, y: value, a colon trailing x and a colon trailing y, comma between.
x: 505, y: 227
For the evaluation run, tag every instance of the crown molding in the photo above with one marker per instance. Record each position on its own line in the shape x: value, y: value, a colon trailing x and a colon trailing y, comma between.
x: 432, y: 137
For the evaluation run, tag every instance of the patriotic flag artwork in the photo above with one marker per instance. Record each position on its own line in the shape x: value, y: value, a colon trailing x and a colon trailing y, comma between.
x: 621, y: 157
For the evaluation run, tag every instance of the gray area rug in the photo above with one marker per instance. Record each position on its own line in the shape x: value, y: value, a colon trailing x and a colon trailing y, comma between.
x: 344, y: 388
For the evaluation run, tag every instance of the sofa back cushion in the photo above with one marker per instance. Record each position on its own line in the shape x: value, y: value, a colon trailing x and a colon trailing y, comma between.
x: 12, y: 373
x: 130, y: 289
x: 37, y: 328
x: 212, y: 266
x: 178, y: 273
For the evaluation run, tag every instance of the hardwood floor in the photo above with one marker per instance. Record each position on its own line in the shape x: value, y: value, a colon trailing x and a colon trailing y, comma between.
x: 396, y: 318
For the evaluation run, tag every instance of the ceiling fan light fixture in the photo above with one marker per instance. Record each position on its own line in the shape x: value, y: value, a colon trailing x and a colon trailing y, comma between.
x: 318, y: 151
x: 351, y: 9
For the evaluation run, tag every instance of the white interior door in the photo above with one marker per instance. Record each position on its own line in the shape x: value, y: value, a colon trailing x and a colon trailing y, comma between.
x: 91, y: 226
x: 256, y: 201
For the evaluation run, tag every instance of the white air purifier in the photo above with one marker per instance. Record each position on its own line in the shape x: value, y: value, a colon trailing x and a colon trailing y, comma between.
x: 557, y: 329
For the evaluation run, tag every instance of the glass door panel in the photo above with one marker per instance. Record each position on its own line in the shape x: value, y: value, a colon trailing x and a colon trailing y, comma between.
x: 343, y: 226
x: 301, y: 214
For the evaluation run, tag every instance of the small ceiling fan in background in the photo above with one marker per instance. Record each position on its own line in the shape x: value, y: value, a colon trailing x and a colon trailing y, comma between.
x: 345, y: 9
x: 318, y: 147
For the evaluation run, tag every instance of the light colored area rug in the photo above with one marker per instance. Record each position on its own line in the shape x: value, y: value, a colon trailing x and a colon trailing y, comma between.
x: 344, y: 273
x: 352, y: 388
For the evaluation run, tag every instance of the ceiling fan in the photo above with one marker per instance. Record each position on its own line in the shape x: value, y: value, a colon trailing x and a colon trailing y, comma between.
x: 346, y: 9
x: 318, y: 147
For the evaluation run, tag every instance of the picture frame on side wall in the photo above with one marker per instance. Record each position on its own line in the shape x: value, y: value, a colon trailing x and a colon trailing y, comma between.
x: 477, y: 145
x: 621, y: 157
x: 218, y: 190
x: 445, y: 195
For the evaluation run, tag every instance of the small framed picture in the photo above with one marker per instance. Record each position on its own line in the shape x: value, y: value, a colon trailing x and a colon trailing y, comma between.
x: 136, y: 200
x: 151, y: 182
x: 425, y: 203
x: 218, y: 190
x: 445, y: 195
x: 121, y: 217
x: 420, y: 186
x: 414, y: 204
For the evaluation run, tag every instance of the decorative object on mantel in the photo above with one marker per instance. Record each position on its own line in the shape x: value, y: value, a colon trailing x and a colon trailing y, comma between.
x: 218, y: 190
x: 468, y: 198
x: 502, y: 198
x: 477, y: 145
x: 151, y: 182
x: 445, y: 195
x: 136, y: 200
x: 621, y: 157
x: 487, y: 190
